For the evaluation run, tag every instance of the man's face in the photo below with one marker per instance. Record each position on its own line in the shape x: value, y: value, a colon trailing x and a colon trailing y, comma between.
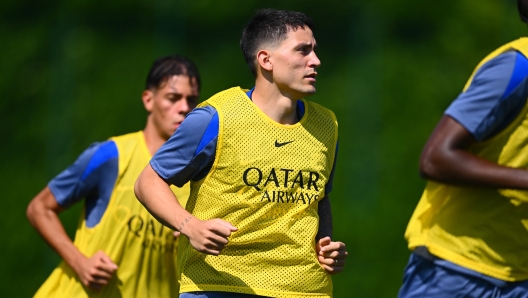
x: 170, y: 103
x: 294, y: 63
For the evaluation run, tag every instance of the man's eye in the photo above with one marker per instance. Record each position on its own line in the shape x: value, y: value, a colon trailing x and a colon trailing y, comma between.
x: 173, y: 98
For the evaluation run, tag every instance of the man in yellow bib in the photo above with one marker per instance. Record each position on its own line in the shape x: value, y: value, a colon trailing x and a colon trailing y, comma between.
x: 260, y: 162
x: 469, y: 232
x: 120, y: 250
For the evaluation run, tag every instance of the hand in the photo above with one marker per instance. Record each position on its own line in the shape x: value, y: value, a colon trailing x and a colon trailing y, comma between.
x: 95, y: 272
x: 208, y: 236
x: 331, y: 255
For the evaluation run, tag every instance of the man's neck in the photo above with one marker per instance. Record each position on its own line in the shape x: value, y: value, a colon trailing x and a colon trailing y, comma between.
x: 152, y: 138
x: 281, y: 108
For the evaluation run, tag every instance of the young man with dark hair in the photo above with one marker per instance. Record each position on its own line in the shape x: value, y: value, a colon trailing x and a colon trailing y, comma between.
x: 469, y: 232
x: 260, y: 162
x: 119, y: 250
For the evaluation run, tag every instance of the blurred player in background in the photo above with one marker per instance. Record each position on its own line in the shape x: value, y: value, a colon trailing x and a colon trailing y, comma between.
x: 120, y: 250
x: 469, y: 232
x: 260, y: 164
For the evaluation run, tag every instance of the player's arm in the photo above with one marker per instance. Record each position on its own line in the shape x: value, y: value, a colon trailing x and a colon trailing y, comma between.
x: 445, y: 159
x: 69, y: 187
x: 187, y: 155
x: 331, y: 254
x: 42, y: 213
x: 495, y: 96
x: 324, y: 210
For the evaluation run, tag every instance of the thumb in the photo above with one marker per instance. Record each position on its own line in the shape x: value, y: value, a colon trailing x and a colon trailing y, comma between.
x: 106, y: 259
x: 176, y: 234
x: 324, y: 242
x: 227, y: 225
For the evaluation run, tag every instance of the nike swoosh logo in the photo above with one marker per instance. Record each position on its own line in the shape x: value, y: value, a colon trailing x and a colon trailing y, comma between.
x: 277, y: 144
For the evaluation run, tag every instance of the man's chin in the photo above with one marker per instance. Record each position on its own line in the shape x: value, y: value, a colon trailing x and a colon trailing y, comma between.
x: 308, y: 91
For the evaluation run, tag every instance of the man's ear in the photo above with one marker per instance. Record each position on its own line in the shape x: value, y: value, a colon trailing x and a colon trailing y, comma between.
x: 148, y: 100
x: 264, y: 61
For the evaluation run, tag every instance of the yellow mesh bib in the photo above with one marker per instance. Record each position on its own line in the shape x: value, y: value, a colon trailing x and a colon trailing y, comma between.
x: 481, y: 229
x: 266, y: 180
x: 143, y: 249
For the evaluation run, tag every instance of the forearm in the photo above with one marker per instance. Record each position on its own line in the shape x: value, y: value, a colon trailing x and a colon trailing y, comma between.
x: 325, y: 219
x: 47, y: 223
x: 464, y: 169
x: 446, y: 158
x: 157, y: 197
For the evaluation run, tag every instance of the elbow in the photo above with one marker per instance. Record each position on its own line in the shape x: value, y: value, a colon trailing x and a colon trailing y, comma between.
x: 32, y: 212
x: 442, y: 167
x: 431, y: 166
x: 137, y: 188
x: 140, y: 186
x: 427, y: 170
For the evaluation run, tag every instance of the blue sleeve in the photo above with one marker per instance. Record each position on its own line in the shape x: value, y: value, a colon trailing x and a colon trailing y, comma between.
x: 190, y: 152
x: 495, y: 96
x: 91, y: 177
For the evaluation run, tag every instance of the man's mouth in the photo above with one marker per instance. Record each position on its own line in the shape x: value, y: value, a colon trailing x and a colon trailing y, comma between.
x: 311, y: 76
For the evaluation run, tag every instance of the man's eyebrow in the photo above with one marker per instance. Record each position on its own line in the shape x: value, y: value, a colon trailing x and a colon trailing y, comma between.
x: 306, y: 44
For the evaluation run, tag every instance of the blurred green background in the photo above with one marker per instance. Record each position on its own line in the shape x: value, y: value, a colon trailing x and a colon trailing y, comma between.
x: 72, y: 72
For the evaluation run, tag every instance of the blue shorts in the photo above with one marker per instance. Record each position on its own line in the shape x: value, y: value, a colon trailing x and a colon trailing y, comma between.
x: 424, y: 278
x: 216, y: 295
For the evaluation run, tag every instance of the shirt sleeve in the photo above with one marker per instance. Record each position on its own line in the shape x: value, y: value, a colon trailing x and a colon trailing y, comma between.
x: 495, y: 96
x: 92, y: 175
x: 190, y: 152
x: 329, y: 184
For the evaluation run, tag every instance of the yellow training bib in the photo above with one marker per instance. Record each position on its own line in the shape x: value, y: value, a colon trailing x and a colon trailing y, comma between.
x: 267, y: 180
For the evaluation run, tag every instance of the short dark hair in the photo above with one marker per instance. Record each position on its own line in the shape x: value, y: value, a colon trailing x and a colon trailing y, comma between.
x: 165, y: 67
x: 522, y: 7
x: 269, y: 26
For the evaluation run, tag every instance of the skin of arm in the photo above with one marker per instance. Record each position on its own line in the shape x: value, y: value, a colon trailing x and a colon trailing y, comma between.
x: 445, y: 159
x: 42, y: 212
x: 331, y: 254
x: 207, y: 236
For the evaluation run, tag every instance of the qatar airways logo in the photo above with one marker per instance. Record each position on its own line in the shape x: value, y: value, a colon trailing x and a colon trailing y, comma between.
x: 285, y: 179
x: 153, y: 235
